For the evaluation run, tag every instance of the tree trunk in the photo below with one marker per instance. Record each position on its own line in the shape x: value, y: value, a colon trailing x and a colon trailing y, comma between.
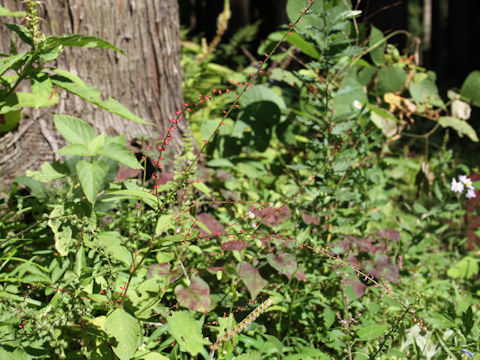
x: 147, y: 80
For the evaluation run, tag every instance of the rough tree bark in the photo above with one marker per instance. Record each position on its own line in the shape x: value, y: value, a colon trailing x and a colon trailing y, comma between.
x: 147, y: 80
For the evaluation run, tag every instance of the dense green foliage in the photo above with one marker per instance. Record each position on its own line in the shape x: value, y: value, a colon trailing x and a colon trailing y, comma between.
x: 315, y: 217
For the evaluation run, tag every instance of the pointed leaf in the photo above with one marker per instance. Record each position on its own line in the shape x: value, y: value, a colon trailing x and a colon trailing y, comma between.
x: 461, y: 126
x: 196, y: 296
x: 74, y: 129
x: 377, y: 41
x: 112, y: 241
x: 126, y: 330
x: 284, y: 263
x: 7, y: 62
x: 92, y: 176
x: 96, y: 145
x: 6, y: 12
x: 76, y: 86
x: 252, y: 279
x: 186, y: 331
x: 120, y: 153
x: 471, y: 88
x: 146, y: 197
x: 371, y: 332
x: 74, y: 150
x: 81, y: 40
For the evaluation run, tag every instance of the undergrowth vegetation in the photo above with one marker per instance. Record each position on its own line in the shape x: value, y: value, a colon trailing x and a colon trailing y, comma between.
x: 316, y: 210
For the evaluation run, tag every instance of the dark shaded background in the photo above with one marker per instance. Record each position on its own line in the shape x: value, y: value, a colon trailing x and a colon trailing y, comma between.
x: 455, y: 41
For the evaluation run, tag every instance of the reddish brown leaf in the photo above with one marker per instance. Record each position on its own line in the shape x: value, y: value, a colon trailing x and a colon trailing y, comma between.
x: 284, y: 263
x: 211, y: 223
x: 196, y: 296
x: 252, y: 279
x: 233, y: 245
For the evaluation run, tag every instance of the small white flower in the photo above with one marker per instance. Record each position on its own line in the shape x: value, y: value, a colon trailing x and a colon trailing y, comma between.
x: 357, y: 104
x: 251, y: 214
x: 457, y: 186
x: 471, y: 193
x: 465, y: 180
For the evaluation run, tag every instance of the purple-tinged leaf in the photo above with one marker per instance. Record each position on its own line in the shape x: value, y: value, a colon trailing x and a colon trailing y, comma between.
x: 389, y: 234
x: 252, y: 279
x: 158, y: 270
x: 211, y: 223
x: 284, y: 263
x: 196, y: 296
x: 357, y: 286
x: 233, y: 245
x: 309, y: 219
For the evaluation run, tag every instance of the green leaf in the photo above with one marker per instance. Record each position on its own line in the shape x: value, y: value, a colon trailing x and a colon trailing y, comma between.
x: 371, y: 332
x: 80, y: 261
x: 377, y: 40
x: 120, y: 153
x: 146, y: 197
x: 92, y: 176
x: 390, y: 79
x: 6, y: 63
x: 63, y: 240
x: 471, y: 88
x: 461, y: 126
x: 74, y: 129
x: 186, y: 331
x: 6, y: 12
x: 303, y: 45
x: 96, y: 145
x: 465, y: 268
x: 49, y: 172
x: 22, y: 32
x: 74, y: 150
x: 81, y: 40
x: 196, y: 296
x: 112, y: 241
x: 10, y: 120
x: 76, y: 86
x: 126, y: 330
x: 258, y: 93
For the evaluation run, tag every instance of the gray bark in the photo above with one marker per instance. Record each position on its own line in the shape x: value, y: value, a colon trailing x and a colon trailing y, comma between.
x: 147, y: 80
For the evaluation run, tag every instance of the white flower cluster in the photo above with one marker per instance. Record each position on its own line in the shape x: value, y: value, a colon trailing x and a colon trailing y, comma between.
x: 462, y: 183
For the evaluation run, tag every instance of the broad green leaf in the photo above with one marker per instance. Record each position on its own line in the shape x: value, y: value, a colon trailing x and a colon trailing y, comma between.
x: 6, y: 12
x: 465, y: 268
x: 384, y: 120
x: 187, y: 332
x: 258, y: 93
x: 7, y: 62
x: 471, y: 88
x: 196, y: 296
x: 10, y: 120
x: 76, y: 86
x: 74, y: 150
x: 63, y: 240
x: 146, y: 197
x: 74, y: 129
x: 120, y: 153
x: 350, y: 91
x: 461, y: 126
x: 22, y: 32
x: 371, y: 332
x: 81, y: 40
x: 390, y: 79
x: 305, y: 46
x: 252, y: 279
x: 92, y: 176
x: 112, y: 241
x: 126, y: 330
x: 377, y: 41
x: 96, y: 145
x: 49, y: 172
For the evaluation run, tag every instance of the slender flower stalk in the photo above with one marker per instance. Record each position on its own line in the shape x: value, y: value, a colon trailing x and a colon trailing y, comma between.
x: 240, y: 327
